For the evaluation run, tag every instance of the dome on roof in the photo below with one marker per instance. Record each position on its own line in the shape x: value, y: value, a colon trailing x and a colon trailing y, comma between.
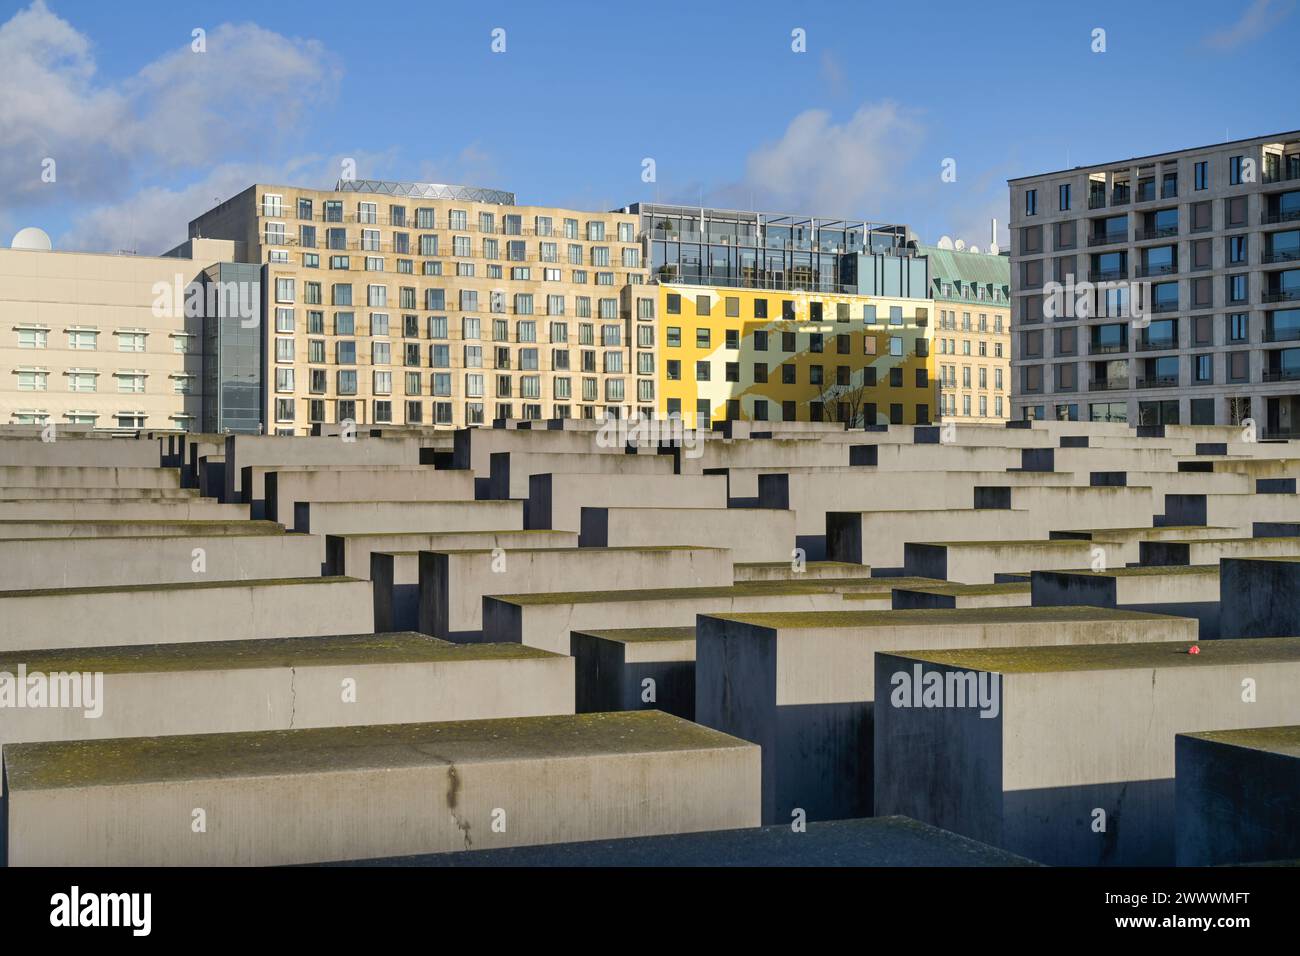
x: 32, y: 238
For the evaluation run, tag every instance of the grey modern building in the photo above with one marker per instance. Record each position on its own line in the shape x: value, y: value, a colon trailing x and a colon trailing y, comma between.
x: 1161, y: 289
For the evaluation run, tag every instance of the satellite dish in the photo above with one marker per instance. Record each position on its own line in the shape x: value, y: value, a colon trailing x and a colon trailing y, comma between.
x: 33, y: 239
x: 993, y: 249
x: 945, y: 242
x: 974, y: 249
x: 960, y: 245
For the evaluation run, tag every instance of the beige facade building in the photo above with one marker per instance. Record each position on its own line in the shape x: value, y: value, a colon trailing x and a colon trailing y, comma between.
x: 972, y: 335
x: 421, y: 304
x: 1163, y: 289
x: 99, y: 340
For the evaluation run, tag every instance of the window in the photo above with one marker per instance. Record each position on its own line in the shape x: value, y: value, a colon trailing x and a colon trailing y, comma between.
x: 896, y: 345
x: 1235, y: 168
x: 1201, y: 175
x: 284, y: 379
x: 39, y: 339
x: 83, y: 339
x: 702, y: 337
x: 130, y: 382
x: 1031, y: 202
x: 1063, y: 195
x: 284, y: 350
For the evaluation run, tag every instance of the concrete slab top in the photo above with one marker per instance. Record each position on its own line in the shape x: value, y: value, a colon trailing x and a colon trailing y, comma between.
x: 245, y: 527
x: 643, y: 635
x: 937, y: 617
x: 1284, y: 741
x: 539, y: 532
x: 740, y: 589
x: 1098, y: 657
x: 868, y: 841
x: 187, y: 586
x: 811, y: 565
x: 139, y: 760
x: 971, y: 590
x: 1063, y: 544
x: 1148, y: 570
x: 402, y: 647
x: 624, y: 548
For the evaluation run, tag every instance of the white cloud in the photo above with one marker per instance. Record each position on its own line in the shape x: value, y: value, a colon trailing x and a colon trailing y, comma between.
x: 829, y: 169
x: 183, y: 111
x: 1260, y: 17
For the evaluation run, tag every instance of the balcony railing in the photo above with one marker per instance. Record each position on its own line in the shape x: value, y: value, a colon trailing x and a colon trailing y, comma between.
x: 1107, y: 385
x: 1095, y: 348
x: 1164, y: 306
x: 1284, y: 255
x: 1289, y: 215
x: 1156, y: 345
x: 1106, y: 238
x: 1282, y: 175
x: 1160, y: 232
x: 1104, y: 275
x: 1281, y: 374
x: 1158, y: 381
x: 1159, y: 269
x: 1282, y: 295
x: 1097, y: 201
x: 1281, y: 335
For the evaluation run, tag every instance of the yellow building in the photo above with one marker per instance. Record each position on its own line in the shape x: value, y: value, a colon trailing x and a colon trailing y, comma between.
x: 773, y: 355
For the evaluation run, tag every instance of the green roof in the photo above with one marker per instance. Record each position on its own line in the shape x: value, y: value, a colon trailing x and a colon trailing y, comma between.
x: 949, y: 265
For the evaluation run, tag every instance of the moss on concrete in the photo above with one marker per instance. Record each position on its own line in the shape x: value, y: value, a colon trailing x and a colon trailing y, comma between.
x: 1091, y: 657
x: 403, y: 647
x: 383, y: 747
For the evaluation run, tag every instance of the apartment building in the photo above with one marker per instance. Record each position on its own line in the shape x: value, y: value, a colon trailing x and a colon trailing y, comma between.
x: 774, y: 317
x: 430, y: 304
x: 972, y: 335
x: 1161, y: 289
x: 102, y: 341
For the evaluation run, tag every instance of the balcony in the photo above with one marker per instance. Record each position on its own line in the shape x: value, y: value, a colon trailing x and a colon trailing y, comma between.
x: 1282, y: 295
x: 1161, y: 232
x: 1156, y: 345
x: 1106, y: 275
x: 1107, y: 385
x: 1159, y: 269
x: 1285, y: 215
x: 1281, y: 374
x: 1096, y: 348
x: 1158, y: 381
x: 1285, y: 255
x: 1107, y: 238
x: 1161, y: 307
x: 1097, y: 201
x: 1282, y: 175
x: 1281, y: 335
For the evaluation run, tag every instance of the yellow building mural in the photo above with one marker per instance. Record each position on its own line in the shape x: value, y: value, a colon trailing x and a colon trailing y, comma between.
x: 776, y: 355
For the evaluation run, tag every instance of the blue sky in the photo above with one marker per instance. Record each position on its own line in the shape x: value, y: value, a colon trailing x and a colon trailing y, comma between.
x: 146, y: 133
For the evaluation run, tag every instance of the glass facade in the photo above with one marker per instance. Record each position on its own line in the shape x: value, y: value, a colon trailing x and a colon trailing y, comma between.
x: 233, y: 354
